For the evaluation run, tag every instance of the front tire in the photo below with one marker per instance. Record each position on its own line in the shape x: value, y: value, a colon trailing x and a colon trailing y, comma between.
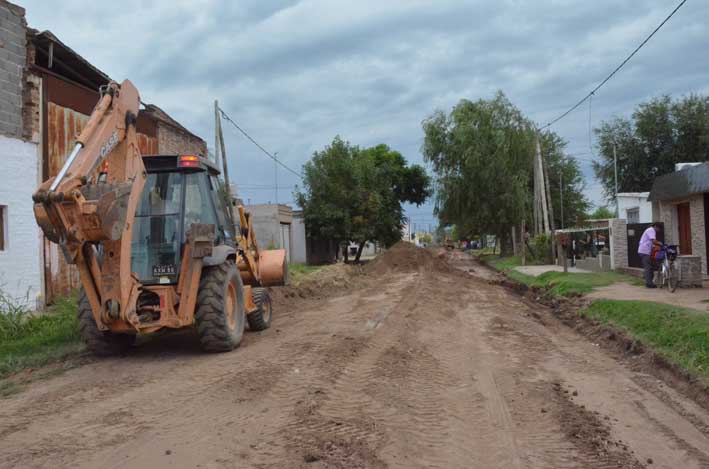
x: 220, y: 313
x: 260, y: 319
x: 98, y: 342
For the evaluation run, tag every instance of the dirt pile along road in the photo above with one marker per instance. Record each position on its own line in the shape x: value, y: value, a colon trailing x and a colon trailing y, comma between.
x: 409, y: 363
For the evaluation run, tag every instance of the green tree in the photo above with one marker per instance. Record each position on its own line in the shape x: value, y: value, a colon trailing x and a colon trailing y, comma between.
x: 353, y: 194
x: 426, y: 238
x: 481, y: 153
x: 326, y: 194
x: 660, y: 133
x: 601, y: 213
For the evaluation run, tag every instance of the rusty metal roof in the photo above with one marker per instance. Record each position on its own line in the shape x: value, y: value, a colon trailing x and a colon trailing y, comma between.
x: 687, y: 181
x: 72, y: 65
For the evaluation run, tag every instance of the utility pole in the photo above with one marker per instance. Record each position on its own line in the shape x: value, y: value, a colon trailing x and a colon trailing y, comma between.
x: 542, y: 191
x: 561, y: 193
x: 219, y: 143
x: 615, y: 170
x: 216, y: 132
x: 535, y: 204
x: 275, y: 173
x: 542, y: 197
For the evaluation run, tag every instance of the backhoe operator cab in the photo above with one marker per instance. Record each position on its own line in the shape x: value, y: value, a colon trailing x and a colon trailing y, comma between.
x: 194, y: 266
x: 179, y: 191
x: 185, y: 257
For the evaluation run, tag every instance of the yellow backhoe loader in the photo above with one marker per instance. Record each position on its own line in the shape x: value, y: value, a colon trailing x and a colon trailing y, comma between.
x: 157, y: 242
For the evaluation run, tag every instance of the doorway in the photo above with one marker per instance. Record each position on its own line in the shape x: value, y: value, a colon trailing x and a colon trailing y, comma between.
x: 684, y: 225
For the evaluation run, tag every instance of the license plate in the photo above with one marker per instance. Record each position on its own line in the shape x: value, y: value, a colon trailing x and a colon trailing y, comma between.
x: 163, y: 269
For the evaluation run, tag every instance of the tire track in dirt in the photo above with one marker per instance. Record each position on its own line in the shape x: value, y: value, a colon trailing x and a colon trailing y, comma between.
x: 414, y: 365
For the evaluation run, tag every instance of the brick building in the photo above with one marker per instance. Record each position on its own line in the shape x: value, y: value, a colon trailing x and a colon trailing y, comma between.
x: 20, y: 262
x: 47, y: 94
x: 681, y: 201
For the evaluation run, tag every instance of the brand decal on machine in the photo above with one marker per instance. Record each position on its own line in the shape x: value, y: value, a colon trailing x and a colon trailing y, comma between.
x: 108, y: 146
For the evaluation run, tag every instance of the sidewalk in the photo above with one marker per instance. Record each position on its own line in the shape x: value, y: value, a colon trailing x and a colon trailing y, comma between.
x: 695, y: 298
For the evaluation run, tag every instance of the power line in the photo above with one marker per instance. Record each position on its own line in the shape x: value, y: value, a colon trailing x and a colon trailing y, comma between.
x: 573, y: 108
x: 266, y: 152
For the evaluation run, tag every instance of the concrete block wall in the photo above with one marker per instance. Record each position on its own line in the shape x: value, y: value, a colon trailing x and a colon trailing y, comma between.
x: 699, y: 240
x: 13, y: 58
x: 690, y: 270
x: 618, y: 234
x: 20, y: 261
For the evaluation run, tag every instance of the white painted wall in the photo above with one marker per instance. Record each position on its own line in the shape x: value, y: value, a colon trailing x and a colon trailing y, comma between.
x: 630, y: 200
x: 20, y: 262
x: 298, y: 246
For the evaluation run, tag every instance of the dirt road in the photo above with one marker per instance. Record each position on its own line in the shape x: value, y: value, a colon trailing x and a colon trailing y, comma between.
x: 417, y: 365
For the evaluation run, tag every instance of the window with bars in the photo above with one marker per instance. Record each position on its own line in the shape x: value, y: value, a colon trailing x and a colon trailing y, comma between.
x: 633, y: 215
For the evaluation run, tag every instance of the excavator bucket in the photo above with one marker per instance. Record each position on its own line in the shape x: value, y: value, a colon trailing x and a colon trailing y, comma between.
x: 273, y: 267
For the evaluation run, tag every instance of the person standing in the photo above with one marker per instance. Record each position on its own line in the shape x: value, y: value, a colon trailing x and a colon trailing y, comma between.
x: 647, y: 241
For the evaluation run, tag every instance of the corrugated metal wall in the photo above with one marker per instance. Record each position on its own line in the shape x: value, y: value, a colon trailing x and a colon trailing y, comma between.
x: 63, y: 126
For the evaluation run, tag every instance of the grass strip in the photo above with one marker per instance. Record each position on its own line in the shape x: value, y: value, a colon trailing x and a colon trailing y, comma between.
x: 558, y: 283
x: 28, y: 340
x: 679, y: 334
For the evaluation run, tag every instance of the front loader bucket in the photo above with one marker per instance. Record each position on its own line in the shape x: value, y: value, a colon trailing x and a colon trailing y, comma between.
x: 273, y: 268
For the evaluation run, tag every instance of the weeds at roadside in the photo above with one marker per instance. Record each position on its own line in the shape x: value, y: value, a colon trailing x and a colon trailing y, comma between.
x: 298, y: 271
x: 29, y: 340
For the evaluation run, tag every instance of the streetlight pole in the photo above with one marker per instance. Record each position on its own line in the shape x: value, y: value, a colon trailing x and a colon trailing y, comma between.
x: 615, y: 170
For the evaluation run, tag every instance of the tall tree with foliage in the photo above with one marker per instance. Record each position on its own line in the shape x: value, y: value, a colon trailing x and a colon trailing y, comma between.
x: 660, y: 133
x: 353, y: 194
x: 481, y: 153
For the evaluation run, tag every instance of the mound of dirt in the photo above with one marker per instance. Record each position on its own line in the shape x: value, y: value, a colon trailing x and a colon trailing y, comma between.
x: 320, y: 284
x: 406, y: 257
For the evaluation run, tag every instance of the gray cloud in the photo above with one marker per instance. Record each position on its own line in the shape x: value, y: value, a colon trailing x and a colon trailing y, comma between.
x: 297, y: 73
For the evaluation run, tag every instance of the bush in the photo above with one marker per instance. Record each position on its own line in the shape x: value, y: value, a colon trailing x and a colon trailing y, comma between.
x: 541, y: 249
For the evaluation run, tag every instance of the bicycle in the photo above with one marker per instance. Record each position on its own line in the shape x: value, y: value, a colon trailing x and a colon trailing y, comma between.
x: 668, y: 272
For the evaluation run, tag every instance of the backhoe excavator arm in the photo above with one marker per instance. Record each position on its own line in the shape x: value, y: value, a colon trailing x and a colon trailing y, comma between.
x: 93, y: 200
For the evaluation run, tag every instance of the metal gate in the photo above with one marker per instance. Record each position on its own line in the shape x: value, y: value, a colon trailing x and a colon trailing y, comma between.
x: 635, y: 232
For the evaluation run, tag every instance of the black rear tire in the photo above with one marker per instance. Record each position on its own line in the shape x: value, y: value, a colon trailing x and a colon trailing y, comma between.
x: 260, y: 319
x: 672, y: 279
x: 98, y: 342
x: 220, y: 313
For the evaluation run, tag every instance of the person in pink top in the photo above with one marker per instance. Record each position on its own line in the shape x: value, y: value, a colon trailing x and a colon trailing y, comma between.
x: 647, y: 241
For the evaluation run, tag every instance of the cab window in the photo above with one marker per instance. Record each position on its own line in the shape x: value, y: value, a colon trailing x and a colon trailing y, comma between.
x: 198, y: 202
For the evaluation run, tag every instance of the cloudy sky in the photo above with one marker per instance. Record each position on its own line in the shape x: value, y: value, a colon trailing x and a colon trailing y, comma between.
x: 296, y: 73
